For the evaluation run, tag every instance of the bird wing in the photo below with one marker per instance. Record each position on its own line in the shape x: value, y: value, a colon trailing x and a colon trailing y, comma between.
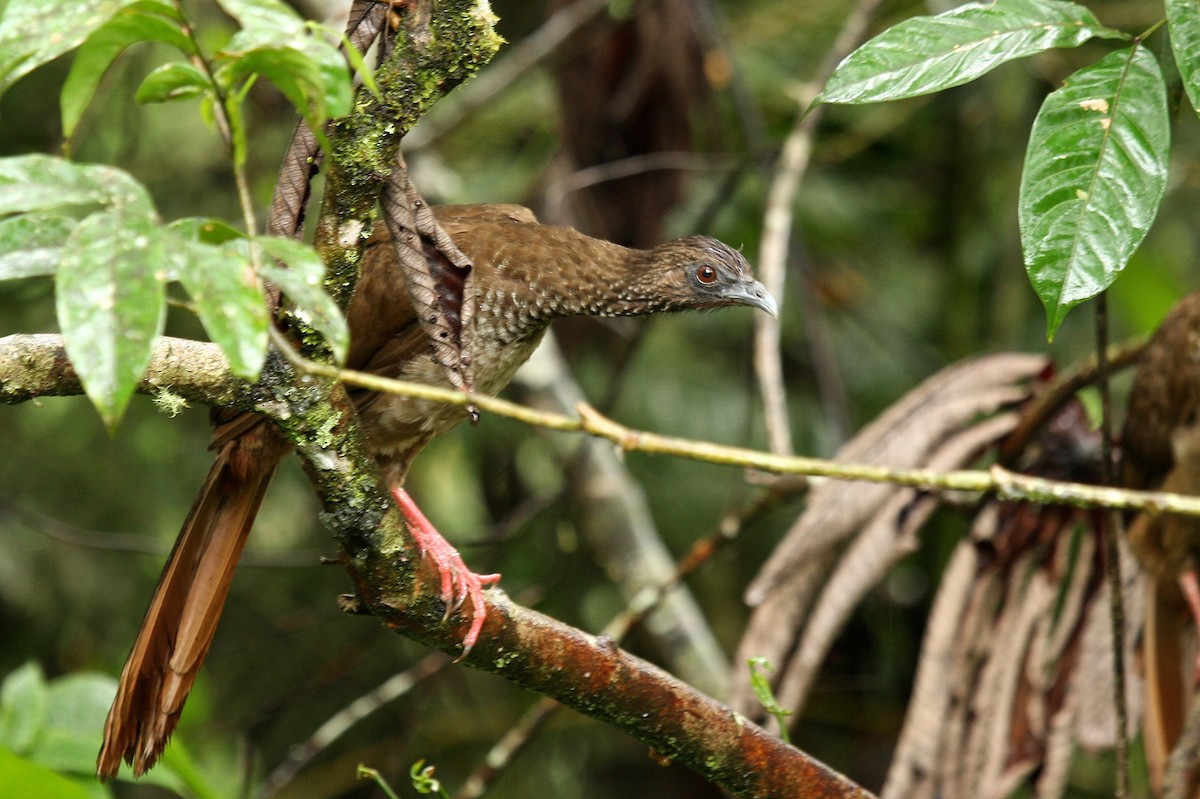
x: 384, y: 333
x: 456, y: 218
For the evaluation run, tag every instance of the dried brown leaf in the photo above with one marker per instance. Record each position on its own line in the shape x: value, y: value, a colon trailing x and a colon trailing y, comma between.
x: 921, y: 744
x: 902, y: 437
x: 438, y: 275
x: 864, y: 529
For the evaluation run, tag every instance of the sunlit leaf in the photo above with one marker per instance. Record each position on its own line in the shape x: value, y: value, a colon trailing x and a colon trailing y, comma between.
x: 928, y: 54
x: 228, y: 301
x: 301, y: 282
x: 1095, y: 173
x: 110, y: 305
x: 31, y: 244
x: 31, y: 183
x: 276, y: 43
x: 174, y: 81
x: 140, y: 22
x: 34, y: 32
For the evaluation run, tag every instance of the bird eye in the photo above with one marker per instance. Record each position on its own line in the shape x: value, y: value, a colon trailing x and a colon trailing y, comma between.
x: 706, y: 275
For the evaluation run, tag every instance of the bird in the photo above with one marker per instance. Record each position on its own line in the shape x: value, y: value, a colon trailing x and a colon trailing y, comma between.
x: 1160, y: 449
x: 524, y: 276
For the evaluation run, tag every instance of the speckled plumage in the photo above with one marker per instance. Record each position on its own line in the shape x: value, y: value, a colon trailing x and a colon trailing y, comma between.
x: 525, y: 275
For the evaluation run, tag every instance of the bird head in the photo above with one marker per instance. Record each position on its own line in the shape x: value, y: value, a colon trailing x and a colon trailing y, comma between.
x: 701, y: 272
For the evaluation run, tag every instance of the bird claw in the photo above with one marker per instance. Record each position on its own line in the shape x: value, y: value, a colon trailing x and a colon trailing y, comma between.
x: 459, y: 583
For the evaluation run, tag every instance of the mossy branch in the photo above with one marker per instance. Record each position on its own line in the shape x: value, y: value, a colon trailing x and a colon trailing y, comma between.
x: 588, y: 673
x: 438, y: 47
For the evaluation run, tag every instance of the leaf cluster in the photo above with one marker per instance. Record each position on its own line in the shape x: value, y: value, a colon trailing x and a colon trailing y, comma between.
x: 95, y: 227
x: 1096, y: 166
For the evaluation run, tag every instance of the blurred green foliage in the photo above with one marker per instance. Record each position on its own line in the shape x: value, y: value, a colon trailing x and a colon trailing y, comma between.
x: 907, y: 258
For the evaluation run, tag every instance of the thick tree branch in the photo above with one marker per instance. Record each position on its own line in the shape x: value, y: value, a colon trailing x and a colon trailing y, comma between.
x: 36, y: 365
x: 587, y: 673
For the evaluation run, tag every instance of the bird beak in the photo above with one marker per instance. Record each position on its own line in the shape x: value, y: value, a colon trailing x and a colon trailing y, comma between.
x: 754, y: 294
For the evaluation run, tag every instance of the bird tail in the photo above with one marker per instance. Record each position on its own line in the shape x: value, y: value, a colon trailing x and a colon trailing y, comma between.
x: 182, y: 618
x: 1166, y: 689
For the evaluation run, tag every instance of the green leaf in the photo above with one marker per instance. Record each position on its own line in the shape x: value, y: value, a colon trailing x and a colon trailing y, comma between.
x: 34, y: 32
x: 277, y: 44
x: 22, y: 707
x: 209, y: 231
x: 175, y: 81
x: 1183, y: 18
x: 36, y: 183
x: 76, y: 706
x: 140, y: 22
x: 110, y: 303
x: 929, y: 54
x: 292, y: 72
x: 31, y: 244
x: 229, y: 301
x: 265, y: 20
x: 1095, y: 173
x: 21, y: 777
x: 301, y: 282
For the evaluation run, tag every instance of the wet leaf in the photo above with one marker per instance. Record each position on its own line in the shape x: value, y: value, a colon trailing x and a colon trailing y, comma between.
x: 1095, y: 173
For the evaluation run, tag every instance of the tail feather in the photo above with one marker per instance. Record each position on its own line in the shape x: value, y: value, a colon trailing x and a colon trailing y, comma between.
x: 1166, y: 689
x: 182, y: 618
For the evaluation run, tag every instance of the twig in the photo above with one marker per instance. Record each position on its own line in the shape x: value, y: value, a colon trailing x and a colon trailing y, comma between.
x: 85, y: 538
x: 777, y: 229
x: 1002, y: 482
x: 633, y: 165
x: 336, y: 725
x: 36, y: 365
x: 1112, y: 556
x: 511, y: 744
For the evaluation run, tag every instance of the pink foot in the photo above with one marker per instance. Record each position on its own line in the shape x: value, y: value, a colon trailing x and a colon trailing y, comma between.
x: 1191, y: 592
x: 458, y: 581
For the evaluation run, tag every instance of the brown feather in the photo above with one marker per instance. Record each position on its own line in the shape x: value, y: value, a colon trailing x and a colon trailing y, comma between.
x: 525, y: 275
x: 179, y: 625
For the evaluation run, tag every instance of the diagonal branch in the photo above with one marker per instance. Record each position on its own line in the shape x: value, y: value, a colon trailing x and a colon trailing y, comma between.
x: 588, y: 673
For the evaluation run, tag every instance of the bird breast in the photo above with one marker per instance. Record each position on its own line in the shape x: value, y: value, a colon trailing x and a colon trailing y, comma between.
x: 396, y: 424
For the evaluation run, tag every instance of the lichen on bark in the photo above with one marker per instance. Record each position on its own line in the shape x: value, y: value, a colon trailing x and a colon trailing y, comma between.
x: 436, y: 47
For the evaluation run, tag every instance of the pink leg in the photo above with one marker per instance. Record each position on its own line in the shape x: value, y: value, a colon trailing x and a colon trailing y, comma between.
x: 1191, y: 592
x: 458, y: 581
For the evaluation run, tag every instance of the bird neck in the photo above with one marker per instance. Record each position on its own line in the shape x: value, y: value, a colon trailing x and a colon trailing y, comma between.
x: 541, y: 273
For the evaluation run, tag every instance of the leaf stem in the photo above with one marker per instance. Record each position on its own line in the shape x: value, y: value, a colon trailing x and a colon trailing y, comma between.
x: 229, y: 124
